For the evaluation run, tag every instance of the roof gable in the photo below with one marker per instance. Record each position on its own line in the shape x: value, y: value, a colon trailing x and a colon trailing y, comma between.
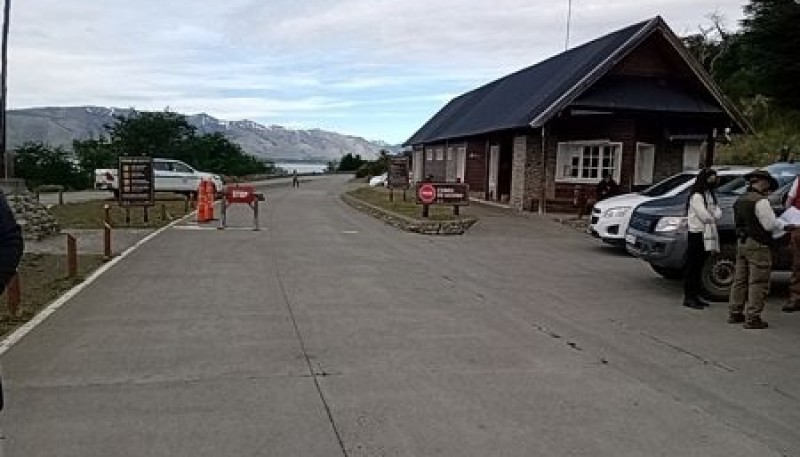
x: 530, y: 97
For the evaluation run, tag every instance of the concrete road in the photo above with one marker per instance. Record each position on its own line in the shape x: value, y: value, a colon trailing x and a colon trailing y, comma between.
x: 329, y: 333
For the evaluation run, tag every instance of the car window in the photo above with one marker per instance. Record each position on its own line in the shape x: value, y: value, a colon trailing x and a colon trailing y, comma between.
x: 161, y: 166
x: 181, y: 167
x: 661, y: 188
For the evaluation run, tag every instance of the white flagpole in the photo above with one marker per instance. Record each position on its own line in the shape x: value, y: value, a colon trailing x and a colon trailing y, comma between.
x: 569, y: 20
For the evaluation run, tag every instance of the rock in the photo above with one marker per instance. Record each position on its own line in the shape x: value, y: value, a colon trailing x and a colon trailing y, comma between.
x: 36, y: 221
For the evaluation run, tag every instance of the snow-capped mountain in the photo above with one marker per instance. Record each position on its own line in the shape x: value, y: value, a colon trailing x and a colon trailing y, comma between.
x: 59, y: 126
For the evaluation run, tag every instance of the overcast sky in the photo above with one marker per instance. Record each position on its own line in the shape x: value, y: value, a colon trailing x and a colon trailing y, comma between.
x: 372, y: 68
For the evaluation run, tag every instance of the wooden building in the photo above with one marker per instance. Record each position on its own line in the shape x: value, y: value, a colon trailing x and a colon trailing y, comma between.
x: 634, y: 103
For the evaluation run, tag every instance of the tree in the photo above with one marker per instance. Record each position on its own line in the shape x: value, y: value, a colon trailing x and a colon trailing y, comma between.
x: 350, y: 162
x: 39, y: 164
x: 154, y: 134
x: 770, y: 46
x: 92, y: 154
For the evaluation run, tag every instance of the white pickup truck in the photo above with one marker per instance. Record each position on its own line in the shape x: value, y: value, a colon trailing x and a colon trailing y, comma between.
x: 170, y: 176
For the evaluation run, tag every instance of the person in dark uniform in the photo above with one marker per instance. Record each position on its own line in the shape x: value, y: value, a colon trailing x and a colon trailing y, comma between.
x: 11, y: 244
x: 295, y: 179
x: 755, y: 225
x: 607, y: 187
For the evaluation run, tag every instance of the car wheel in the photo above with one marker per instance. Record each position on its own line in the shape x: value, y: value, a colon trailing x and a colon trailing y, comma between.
x: 717, y: 273
x: 668, y: 273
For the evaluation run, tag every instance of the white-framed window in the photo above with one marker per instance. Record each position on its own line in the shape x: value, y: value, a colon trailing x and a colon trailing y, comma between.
x: 586, y: 161
x: 428, y: 155
x: 451, y: 152
x: 439, y: 154
x: 691, y: 156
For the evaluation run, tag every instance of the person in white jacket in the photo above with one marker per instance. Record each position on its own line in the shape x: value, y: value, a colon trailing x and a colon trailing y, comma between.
x: 702, y: 214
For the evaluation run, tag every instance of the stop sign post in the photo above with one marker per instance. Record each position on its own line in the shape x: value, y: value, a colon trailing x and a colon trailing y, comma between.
x: 426, y: 195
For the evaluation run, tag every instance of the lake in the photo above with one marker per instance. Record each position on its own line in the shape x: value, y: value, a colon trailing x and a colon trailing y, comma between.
x: 303, y: 167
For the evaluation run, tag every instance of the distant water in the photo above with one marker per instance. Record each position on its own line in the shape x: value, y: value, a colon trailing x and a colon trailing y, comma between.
x: 303, y: 167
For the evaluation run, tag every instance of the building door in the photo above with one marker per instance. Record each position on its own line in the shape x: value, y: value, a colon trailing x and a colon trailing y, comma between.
x: 494, y: 167
x: 418, y: 162
x: 461, y: 163
x: 450, y: 167
x: 645, y: 159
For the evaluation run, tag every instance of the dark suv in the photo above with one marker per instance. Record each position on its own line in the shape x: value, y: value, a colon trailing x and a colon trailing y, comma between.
x: 658, y: 228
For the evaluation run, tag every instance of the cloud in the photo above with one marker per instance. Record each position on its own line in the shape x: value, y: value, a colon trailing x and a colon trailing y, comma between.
x: 348, y: 65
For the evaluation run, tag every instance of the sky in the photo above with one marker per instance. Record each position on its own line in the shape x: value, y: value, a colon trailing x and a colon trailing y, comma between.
x: 378, y: 69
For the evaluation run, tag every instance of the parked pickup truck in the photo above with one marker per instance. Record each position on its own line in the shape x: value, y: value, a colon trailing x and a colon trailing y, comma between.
x: 170, y: 176
x: 657, y: 234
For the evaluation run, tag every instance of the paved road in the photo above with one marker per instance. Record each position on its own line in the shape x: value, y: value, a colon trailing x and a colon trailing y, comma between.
x: 329, y: 333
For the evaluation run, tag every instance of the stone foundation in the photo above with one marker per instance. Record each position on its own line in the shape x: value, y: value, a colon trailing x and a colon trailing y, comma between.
x: 456, y: 227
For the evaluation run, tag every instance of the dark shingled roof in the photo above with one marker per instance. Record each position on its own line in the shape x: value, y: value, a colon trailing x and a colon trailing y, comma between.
x: 531, y: 94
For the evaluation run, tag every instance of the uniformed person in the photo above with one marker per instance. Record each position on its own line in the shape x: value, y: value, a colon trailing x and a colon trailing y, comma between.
x: 11, y: 243
x: 755, y: 225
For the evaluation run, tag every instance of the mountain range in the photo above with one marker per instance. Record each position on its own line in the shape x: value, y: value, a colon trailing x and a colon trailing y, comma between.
x: 59, y: 126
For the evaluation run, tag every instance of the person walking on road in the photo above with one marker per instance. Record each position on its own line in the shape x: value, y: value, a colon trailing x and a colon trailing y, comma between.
x: 702, y: 213
x: 792, y: 201
x: 295, y: 179
x: 755, y: 225
x: 11, y: 243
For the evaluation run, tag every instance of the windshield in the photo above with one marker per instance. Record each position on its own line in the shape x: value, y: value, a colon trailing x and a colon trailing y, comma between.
x: 783, y: 172
x: 661, y: 188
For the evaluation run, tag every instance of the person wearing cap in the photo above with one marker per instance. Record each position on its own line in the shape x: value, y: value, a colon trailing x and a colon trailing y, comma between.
x: 11, y: 243
x: 755, y: 224
x: 793, y: 201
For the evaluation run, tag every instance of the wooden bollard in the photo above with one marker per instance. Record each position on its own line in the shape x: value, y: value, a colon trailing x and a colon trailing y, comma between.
x: 14, y: 296
x: 107, y: 233
x: 186, y: 205
x: 72, y: 257
x: 163, y: 212
x: 60, y: 197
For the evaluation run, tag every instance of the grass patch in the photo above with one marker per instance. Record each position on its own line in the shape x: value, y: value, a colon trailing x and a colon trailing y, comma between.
x: 89, y: 215
x: 379, y: 196
x: 43, y: 279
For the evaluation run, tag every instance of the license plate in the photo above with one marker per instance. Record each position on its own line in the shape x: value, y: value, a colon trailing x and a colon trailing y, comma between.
x: 630, y: 239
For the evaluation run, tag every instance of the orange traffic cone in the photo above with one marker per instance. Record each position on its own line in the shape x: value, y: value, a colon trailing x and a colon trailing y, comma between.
x: 202, y: 206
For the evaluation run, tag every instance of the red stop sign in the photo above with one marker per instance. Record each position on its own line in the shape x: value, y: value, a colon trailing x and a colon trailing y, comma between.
x: 427, y: 194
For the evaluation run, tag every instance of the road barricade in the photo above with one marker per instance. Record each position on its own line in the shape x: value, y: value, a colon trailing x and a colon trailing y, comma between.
x: 236, y: 194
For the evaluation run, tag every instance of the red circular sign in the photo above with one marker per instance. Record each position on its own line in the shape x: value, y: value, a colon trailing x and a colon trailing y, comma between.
x: 427, y: 194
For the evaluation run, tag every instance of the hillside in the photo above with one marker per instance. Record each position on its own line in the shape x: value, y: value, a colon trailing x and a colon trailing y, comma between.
x: 59, y: 126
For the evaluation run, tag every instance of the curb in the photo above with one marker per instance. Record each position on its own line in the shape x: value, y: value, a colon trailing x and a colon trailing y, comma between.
x: 14, y: 337
x: 457, y: 227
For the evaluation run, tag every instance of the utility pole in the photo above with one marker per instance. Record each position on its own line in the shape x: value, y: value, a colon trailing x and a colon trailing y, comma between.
x: 4, y: 89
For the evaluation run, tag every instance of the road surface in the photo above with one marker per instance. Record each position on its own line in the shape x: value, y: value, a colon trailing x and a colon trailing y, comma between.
x: 329, y: 333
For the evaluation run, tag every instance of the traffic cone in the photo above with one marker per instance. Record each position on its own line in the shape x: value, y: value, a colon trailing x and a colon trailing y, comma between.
x: 202, y: 208
x: 210, y: 198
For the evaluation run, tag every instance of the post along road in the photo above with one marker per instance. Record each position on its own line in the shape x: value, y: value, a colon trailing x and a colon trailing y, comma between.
x: 329, y: 333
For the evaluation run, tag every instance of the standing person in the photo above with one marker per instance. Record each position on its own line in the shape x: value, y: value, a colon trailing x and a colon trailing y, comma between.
x: 702, y: 213
x: 755, y: 224
x: 295, y: 179
x: 792, y: 201
x: 607, y: 187
x: 11, y: 244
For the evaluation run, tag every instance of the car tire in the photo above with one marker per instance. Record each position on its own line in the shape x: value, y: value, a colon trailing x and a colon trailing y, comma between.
x: 668, y: 273
x: 717, y: 273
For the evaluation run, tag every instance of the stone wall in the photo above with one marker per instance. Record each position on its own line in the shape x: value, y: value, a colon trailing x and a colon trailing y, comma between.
x: 36, y: 221
x: 425, y: 227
